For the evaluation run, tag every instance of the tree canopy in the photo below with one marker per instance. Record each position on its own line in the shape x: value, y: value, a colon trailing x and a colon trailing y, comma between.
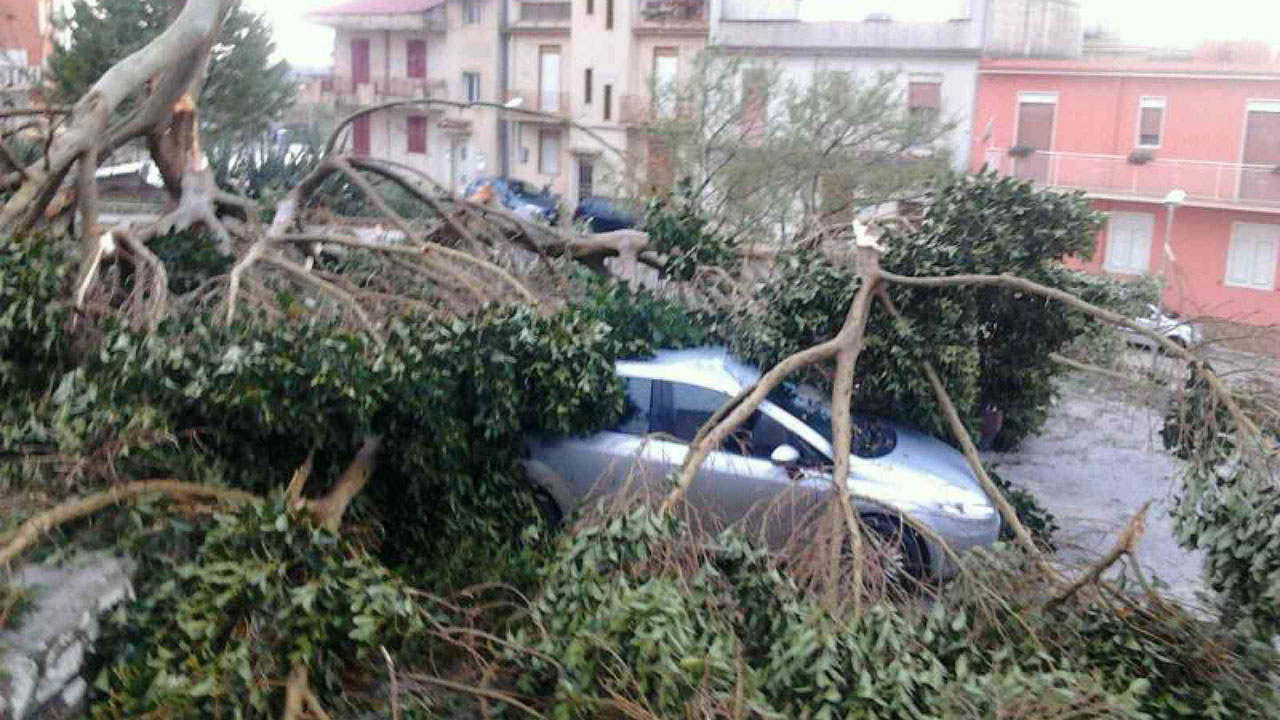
x: 245, y: 89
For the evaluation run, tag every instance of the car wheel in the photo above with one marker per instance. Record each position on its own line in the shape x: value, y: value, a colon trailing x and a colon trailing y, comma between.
x: 548, y: 509
x: 895, y: 551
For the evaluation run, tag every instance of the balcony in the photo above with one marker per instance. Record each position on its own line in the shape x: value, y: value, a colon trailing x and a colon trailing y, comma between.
x: 533, y: 15
x: 548, y: 102
x: 20, y: 77
x: 433, y: 20
x: 669, y: 17
x: 388, y: 90
x: 1212, y: 184
x: 642, y: 109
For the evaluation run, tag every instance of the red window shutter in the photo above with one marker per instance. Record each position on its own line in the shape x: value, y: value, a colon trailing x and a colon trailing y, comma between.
x: 359, y: 63
x: 418, y: 135
x: 924, y: 95
x: 416, y: 50
x: 360, y: 135
x: 1035, y: 125
x: 1262, y: 139
x: 1149, y: 125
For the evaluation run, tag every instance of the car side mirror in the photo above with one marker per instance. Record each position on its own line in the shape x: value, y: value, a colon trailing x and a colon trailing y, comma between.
x: 784, y: 455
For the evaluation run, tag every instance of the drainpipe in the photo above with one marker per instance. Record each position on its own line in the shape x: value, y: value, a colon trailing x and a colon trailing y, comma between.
x: 504, y: 38
x: 386, y: 76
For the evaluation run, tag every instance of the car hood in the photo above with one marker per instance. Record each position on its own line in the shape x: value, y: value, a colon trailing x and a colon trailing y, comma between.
x: 918, y: 464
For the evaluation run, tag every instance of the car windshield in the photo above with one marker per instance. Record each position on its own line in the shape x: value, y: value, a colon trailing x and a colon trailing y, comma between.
x: 871, y: 438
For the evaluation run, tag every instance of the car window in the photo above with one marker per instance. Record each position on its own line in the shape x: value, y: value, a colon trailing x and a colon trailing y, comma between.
x: 635, y: 418
x: 684, y: 408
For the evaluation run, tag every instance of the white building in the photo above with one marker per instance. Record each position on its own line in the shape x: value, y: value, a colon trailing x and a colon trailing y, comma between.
x: 933, y: 48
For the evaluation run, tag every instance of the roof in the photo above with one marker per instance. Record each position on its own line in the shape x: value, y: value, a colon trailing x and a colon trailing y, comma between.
x: 712, y: 366
x: 378, y: 7
x: 1127, y: 66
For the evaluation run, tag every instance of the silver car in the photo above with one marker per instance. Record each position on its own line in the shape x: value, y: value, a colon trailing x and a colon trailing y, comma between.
x: 785, y: 447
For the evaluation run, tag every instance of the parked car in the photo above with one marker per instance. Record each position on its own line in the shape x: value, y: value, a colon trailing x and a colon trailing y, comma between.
x: 519, y: 197
x: 606, y: 214
x: 1168, y: 324
x: 786, y: 446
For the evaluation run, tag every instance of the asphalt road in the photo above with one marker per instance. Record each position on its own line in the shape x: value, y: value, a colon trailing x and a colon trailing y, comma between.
x: 1098, y: 460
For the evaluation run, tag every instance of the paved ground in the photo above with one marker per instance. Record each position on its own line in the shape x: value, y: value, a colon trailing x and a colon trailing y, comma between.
x: 1097, y: 461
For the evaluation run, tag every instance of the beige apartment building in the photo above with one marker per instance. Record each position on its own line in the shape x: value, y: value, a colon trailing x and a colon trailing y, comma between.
x: 589, y: 61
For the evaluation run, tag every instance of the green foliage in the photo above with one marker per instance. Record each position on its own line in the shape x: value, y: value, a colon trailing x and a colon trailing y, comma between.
x: 679, y: 232
x: 190, y: 258
x: 993, y: 348
x: 213, y: 635
x: 243, y: 93
x: 1035, y: 517
x: 33, y: 316
x: 1228, y: 501
x: 635, y: 607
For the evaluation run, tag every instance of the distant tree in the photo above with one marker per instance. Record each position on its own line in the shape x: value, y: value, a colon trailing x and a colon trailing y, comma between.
x: 244, y: 90
x: 763, y: 155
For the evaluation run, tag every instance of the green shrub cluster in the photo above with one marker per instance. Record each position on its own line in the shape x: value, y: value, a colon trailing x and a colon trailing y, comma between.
x: 636, y: 608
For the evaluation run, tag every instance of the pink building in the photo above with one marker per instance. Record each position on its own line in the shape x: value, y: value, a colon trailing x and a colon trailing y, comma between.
x: 1128, y: 132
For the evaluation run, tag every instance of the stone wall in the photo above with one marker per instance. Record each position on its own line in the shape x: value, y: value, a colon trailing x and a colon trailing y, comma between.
x: 41, y: 658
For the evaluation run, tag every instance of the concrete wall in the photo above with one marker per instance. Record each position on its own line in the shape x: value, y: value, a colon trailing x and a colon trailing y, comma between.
x: 1196, y: 284
x: 1204, y: 118
x: 1035, y: 28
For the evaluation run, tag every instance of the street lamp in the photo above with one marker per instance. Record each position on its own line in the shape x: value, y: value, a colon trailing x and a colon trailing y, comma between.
x: 1172, y: 202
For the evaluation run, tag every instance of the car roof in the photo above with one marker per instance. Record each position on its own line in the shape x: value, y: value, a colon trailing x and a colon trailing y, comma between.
x: 711, y: 367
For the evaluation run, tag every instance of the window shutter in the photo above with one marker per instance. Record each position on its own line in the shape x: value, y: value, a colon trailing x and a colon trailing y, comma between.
x: 924, y: 95
x: 1149, y: 126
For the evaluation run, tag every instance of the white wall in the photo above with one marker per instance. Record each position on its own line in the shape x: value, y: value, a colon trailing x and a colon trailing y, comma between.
x: 959, y: 84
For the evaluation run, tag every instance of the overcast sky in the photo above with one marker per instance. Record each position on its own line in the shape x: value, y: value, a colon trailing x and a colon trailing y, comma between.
x: 1150, y: 22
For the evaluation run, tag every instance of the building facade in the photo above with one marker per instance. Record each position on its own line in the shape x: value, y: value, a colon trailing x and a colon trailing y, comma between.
x: 934, y: 55
x: 1128, y: 133
x: 588, y: 61
x: 26, y: 40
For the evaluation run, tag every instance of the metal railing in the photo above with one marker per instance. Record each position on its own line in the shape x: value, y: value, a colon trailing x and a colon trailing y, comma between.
x: 1120, y: 175
x: 385, y: 89
x: 20, y: 77
x: 552, y: 102
x: 557, y: 13
x: 664, y: 12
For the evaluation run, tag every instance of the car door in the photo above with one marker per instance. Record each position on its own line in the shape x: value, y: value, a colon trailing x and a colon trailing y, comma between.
x: 735, y: 479
x: 608, y: 461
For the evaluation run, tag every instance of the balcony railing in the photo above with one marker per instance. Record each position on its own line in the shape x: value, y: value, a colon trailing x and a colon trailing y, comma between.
x: 1203, y: 181
x: 386, y: 89
x: 670, y: 15
x: 544, y: 14
x: 643, y: 109
x: 20, y: 77
x: 551, y: 102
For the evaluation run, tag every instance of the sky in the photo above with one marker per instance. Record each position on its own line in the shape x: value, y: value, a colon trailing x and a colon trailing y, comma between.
x: 1170, y: 23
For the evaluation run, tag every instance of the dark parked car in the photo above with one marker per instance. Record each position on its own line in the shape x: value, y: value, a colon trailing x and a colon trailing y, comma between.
x: 606, y: 214
x: 519, y: 197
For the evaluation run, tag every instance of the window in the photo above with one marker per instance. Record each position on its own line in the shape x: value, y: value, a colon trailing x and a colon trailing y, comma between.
x: 586, y: 87
x: 924, y: 98
x: 549, y: 78
x: 591, y: 7
x: 680, y: 410
x: 1129, y: 243
x: 1261, y: 154
x: 755, y: 100
x: 470, y: 12
x: 1150, y: 121
x: 359, y: 63
x: 416, y: 59
x: 417, y: 135
x: 635, y: 421
x: 586, y: 179
x: 471, y: 86
x: 608, y: 102
x: 1036, y: 113
x: 549, y: 152
x: 661, y: 175
x: 608, y: 14
x: 666, y: 67
x: 1251, y: 258
x: 360, y: 135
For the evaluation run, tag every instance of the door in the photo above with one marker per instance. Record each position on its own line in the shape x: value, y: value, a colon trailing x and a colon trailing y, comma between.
x: 666, y: 68
x: 1260, y: 176
x: 1035, y: 134
x: 622, y: 457
x: 735, y: 481
x: 359, y: 63
x: 549, y: 78
x: 360, y: 139
x: 416, y: 59
x: 586, y: 179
